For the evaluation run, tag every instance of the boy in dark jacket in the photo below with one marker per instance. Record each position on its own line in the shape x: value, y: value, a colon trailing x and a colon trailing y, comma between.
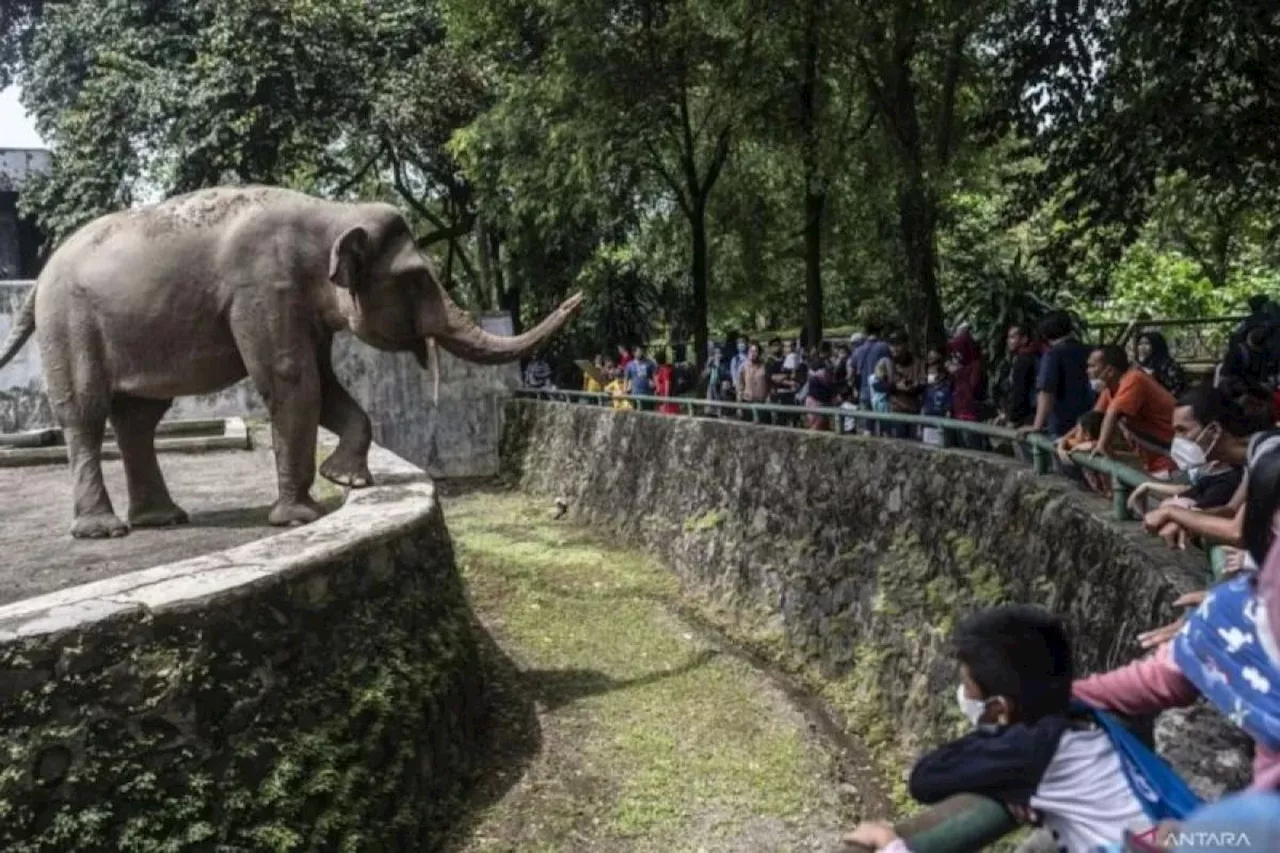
x: 1027, y: 749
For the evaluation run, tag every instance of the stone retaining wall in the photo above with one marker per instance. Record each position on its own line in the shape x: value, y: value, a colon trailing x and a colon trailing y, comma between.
x: 320, y: 689
x: 853, y: 557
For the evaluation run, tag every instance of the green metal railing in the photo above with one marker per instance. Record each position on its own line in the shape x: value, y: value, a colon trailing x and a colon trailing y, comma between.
x: 1040, y: 447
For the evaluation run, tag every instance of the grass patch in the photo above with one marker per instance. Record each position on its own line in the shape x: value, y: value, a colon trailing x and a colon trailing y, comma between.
x: 684, y: 746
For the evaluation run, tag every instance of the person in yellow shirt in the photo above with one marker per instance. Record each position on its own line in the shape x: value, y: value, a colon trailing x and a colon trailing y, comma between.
x: 617, y: 388
x: 589, y: 381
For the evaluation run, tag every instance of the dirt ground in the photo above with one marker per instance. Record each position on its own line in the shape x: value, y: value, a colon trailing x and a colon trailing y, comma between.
x: 643, y: 733
x: 227, y: 494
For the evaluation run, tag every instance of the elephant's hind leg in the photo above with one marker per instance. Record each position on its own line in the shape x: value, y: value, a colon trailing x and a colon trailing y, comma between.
x: 134, y: 420
x: 348, y: 465
x: 84, y: 420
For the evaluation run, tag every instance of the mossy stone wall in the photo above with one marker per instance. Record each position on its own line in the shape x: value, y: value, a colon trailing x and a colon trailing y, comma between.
x: 333, y: 710
x: 850, y: 558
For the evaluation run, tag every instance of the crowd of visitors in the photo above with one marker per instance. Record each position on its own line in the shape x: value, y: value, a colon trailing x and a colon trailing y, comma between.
x: 1045, y: 742
x: 1086, y: 399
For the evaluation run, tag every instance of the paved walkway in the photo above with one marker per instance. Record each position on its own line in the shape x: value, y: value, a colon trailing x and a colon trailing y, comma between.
x: 642, y: 733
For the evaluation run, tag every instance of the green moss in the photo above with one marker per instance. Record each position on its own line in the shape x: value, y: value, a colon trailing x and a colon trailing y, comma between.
x: 353, y: 742
x: 707, y: 521
x: 667, y: 733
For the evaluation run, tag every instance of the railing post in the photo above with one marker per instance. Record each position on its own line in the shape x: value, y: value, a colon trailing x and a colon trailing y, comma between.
x: 1040, y: 461
x: 755, y: 415
x: 1119, y: 498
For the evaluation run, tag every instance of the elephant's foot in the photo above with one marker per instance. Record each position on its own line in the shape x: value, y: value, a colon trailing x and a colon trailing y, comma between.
x: 291, y: 513
x: 158, y: 516
x: 346, y: 469
x: 98, y: 526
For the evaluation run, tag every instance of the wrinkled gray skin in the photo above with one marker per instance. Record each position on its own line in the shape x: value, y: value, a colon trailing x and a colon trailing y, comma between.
x: 193, y: 294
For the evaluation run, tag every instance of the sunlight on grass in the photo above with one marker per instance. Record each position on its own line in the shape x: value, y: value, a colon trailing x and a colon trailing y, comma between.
x: 681, y: 733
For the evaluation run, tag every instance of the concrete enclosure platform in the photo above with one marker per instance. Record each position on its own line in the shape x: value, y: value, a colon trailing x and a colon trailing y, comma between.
x: 226, y: 492
x: 226, y: 685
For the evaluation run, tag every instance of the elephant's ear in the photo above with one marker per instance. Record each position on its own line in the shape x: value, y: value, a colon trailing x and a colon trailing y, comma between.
x: 348, y: 259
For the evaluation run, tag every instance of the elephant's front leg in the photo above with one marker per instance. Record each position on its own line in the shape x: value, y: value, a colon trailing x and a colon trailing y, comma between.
x: 280, y: 355
x: 348, y: 465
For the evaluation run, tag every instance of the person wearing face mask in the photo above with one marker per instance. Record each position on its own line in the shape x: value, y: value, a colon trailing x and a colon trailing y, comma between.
x: 1228, y: 650
x: 1210, y: 445
x: 1031, y: 748
x: 1222, y: 525
x: 1136, y: 404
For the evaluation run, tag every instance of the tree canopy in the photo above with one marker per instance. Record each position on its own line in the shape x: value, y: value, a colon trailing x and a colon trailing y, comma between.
x: 700, y: 166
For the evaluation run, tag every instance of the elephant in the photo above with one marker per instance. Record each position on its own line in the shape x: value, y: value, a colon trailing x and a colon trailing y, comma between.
x: 192, y: 294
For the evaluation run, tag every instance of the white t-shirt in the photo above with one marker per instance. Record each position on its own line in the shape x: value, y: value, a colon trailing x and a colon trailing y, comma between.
x: 1084, y: 797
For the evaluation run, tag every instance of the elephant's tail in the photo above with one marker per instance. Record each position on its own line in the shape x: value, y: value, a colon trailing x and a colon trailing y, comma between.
x: 24, y: 326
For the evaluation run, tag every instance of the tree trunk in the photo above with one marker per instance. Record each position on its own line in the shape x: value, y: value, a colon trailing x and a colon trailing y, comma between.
x: 917, y: 203
x: 814, y: 192
x: 487, y: 285
x: 700, y: 271
x: 814, y: 202
x: 509, y: 286
x: 918, y: 216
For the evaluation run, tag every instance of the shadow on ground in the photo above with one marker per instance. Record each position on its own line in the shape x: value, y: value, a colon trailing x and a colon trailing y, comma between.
x: 554, y: 688
x: 513, y: 733
x: 247, y: 517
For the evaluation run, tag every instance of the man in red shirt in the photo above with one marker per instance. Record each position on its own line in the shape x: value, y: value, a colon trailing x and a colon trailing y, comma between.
x: 1131, y: 399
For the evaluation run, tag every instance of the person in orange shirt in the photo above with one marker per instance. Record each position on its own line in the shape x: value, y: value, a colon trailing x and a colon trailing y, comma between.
x: 1137, y: 404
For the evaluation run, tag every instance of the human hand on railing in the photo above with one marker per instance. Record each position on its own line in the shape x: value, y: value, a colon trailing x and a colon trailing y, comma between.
x: 1028, y: 429
x: 1175, y: 536
x: 873, y: 834
x: 1064, y: 455
x: 1138, y: 497
x: 1159, y: 636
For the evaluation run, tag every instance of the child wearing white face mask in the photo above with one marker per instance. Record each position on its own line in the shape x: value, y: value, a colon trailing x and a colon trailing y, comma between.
x: 1031, y: 748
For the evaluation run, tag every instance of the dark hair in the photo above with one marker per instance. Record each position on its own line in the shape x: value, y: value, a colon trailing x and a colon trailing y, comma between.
x: 1114, y: 356
x: 1159, y: 348
x: 873, y: 328
x: 773, y: 341
x: 1055, y: 325
x: 1261, y: 503
x: 1213, y: 405
x: 1021, y: 328
x: 898, y: 339
x: 1021, y: 653
x: 1091, y: 423
x: 661, y: 357
x: 1257, y: 302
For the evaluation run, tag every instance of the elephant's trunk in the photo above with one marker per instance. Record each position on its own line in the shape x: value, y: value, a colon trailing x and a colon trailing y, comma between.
x: 461, y: 336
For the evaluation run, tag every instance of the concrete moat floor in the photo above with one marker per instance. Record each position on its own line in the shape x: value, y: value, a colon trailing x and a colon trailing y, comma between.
x: 227, y: 493
x: 645, y: 734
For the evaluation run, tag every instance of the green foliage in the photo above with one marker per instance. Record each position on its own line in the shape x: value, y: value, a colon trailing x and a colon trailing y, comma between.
x: 968, y: 161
